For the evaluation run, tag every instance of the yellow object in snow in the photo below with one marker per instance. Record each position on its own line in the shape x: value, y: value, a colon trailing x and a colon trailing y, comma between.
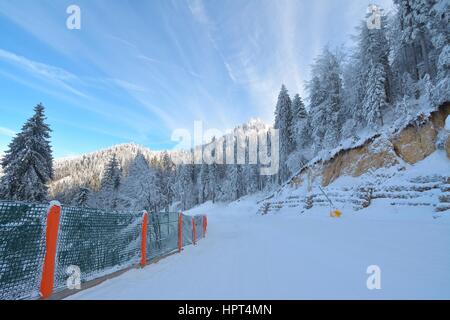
x: 335, y: 214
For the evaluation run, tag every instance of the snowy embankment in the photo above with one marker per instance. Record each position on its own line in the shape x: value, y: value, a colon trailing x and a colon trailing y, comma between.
x: 289, y: 255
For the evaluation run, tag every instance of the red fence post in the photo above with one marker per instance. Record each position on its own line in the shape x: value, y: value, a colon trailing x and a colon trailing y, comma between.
x: 194, y: 233
x: 144, y: 239
x: 205, y: 224
x: 51, y: 240
x: 180, y: 231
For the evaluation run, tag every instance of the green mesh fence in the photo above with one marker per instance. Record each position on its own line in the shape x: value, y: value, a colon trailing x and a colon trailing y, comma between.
x: 162, y: 234
x: 198, y: 226
x: 98, y: 242
x: 22, y: 249
x: 187, y: 230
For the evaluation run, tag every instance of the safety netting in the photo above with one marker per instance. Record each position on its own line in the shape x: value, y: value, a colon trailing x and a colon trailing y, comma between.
x: 162, y: 234
x: 22, y: 249
x: 187, y: 235
x: 97, y: 242
x: 198, y: 220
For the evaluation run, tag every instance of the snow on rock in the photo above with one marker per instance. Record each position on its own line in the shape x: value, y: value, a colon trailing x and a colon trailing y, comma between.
x: 425, y: 184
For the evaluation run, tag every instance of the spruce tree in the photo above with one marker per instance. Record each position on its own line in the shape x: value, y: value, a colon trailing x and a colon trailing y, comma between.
x: 110, y: 184
x: 135, y: 190
x: 283, y: 123
x: 375, y: 98
x: 28, y: 164
x: 318, y: 112
x: 326, y: 100
x: 82, y: 197
x: 185, y: 186
x: 300, y: 123
x: 165, y: 175
x: 204, y: 183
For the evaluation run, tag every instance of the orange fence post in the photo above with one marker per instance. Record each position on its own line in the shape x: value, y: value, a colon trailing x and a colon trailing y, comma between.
x: 205, y: 224
x: 144, y: 239
x: 194, y: 233
x: 180, y: 231
x: 51, y: 240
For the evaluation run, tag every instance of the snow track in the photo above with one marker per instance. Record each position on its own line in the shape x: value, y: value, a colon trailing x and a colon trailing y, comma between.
x: 292, y: 256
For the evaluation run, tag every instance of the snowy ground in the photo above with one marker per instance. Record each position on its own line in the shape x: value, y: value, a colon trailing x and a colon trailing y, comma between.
x: 293, y: 256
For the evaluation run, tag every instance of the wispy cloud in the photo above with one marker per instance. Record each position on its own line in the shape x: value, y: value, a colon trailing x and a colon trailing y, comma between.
x: 57, y: 76
x: 65, y: 85
x: 143, y: 68
x: 199, y: 12
x: 7, y: 132
x: 128, y: 85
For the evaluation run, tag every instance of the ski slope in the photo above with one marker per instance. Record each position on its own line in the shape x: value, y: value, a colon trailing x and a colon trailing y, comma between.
x: 293, y: 256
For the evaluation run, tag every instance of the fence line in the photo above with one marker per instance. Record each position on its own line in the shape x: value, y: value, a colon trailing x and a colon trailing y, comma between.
x: 40, y: 244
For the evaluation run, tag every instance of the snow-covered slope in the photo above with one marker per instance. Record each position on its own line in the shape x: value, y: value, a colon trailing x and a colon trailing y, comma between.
x: 294, y: 256
x: 384, y: 167
x: 87, y: 170
x: 425, y: 185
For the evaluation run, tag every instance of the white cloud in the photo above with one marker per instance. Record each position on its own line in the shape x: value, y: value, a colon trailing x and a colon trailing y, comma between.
x: 198, y: 11
x: 57, y: 76
x: 7, y: 132
x: 128, y: 86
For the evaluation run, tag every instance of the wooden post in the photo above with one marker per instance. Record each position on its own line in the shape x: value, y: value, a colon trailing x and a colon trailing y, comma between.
x: 180, y: 231
x: 144, y: 239
x: 194, y: 233
x: 51, y: 240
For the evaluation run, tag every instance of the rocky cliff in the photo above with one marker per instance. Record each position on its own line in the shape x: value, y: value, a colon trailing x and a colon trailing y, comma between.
x: 380, y: 167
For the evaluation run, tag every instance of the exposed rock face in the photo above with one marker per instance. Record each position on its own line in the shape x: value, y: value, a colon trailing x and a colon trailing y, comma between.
x: 377, y: 154
x: 416, y: 142
x: 412, y: 144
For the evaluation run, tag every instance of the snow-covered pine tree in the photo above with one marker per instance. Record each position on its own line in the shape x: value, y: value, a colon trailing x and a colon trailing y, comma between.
x: 421, y: 37
x: 213, y: 182
x: 82, y: 197
x: 352, y: 96
x: 233, y: 183
x: 333, y: 82
x: 300, y: 123
x: 326, y: 98
x: 185, y: 186
x: 159, y: 187
x: 375, y: 99
x: 354, y: 91
x: 165, y: 175
x: 318, y: 112
x: 283, y: 123
x: 108, y: 195
x: 440, y: 37
x: 375, y: 74
x: 252, y: 178
x: 204, y: 183
x: 135, y: 189
x: 28, y: 163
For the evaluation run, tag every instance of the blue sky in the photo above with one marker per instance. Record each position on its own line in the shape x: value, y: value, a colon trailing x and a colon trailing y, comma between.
x: 139, y: 69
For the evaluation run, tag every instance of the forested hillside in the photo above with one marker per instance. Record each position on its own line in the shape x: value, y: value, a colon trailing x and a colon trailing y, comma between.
x: 390, y: 75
